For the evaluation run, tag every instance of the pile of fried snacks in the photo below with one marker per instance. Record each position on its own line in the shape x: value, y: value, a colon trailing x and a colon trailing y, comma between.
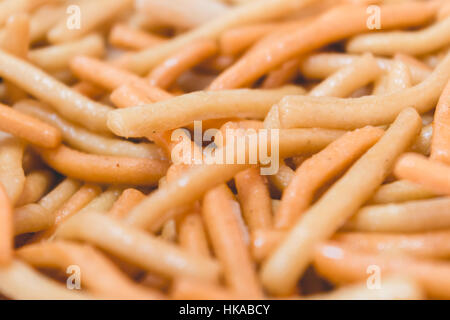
x: 225, y: 149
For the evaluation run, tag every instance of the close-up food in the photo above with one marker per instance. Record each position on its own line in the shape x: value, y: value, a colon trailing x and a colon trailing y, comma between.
x: 224, y: 149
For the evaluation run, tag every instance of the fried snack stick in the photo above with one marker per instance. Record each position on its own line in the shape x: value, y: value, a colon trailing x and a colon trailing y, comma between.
x: 188, y: 289
x: 318, y: 169
x: 37, y: 183
x: 138, y: 247
x: 20, y: 281
x: 347, y: 79
x: 229, y: 238
x: 440, y: 143
x: 322, y: 65
x: 332, y: 26
x: 236, y: 40
x: 431, y: 174
x: 411, y: 216
x: 6, y: 229
x: 283, y: 268
x: 264, y: 242
x: 43, y: 19
x: 77, y: 201
x: 99, y: 274
x: 350, y: 113
x: 284, y: 74
x: 401, y: 191
x: 393, y: 288
x: 39, y: 216
x: 57, y: 57
x: 87, y: 141
x: 128, y: 95
x: 179, y: 111
x: 111, y: 77
x: 12, y: 176
x: 258, y: 11
x: 127, y: 200
x: 254, y: 197
x: 104, y: 169
x: 158, y: 207
x: 283, y: 177
x: 397, y: 79
x: 16, y: 40
x: 340, y: 264
x: 28, y: 128
x: 184, y: 14
x: 414, y: 43
x: 126, y: 37
x: 192, y: 234
x: 88, y: 89
x: 166, y: 73
x: 92, y: 15
x: 421, y: 245
x: 65, y: 101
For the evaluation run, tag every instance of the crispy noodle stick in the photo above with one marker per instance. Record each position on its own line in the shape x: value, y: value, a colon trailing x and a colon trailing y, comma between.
x: 127, y: 200
x: 20, y: 281
x: 67, y: 102
x: 12, y: 176
x: 138, y: 247
x: 332, y: 26
x: 98, y: 273
x: 263, y: 242
x: 104, y: 169
x: 39, y: 216
x: 432, y: 174
x: 322, y: 65
x: 57, y: 57
x: 283, y: 268
x: 393, y: 288
x: 415, y: 43
x: 128, y: 95
x: 257, y: 11
x: 237, y: 40
x: 77, y: 201
x: 318, y: 169
x: 411, y: 216
x: 440, y: 144
x: 87, y: 141
x: 167, y: 72
x: 400, y: 191
x: 340, y: 264
x: 323, y: 112
x: 229, y: 239
x: 178, y: 111
x: 421, y: 245
x: 126, y: 37
x: 397, y: 79
x: 286, y: 73
x: 37, y: 183
x: 347, y: 79
x: 254, y: 197
x: 192, y: 234
x: 29, y: 128
x: 6, y: 229
x: 182, y: 13
x: 92, y: 15
x: 110, y: 77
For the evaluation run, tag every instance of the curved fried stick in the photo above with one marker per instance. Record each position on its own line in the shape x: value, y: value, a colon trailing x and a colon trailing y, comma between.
x: 6, y: 229
x: 440, y: 143
x: 104, y: 169
x: 67, y: 102
x: 415, y: 43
